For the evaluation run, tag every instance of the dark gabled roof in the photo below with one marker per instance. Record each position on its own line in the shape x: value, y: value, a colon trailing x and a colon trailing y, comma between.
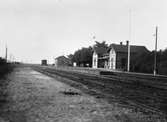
x: 124, y: 48
x: 100, y: 50
x: 62, y: 57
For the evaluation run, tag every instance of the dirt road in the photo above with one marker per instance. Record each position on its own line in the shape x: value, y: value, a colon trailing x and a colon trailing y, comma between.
x: 34, y: 97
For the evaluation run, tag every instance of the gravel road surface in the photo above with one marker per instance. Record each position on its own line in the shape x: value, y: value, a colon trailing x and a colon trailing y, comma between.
x: 34, y: 97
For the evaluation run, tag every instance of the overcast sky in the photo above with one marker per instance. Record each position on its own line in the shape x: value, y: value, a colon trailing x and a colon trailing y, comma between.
x: 37, y: 29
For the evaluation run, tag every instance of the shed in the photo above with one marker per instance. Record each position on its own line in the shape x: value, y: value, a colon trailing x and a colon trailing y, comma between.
x: 62, y: 61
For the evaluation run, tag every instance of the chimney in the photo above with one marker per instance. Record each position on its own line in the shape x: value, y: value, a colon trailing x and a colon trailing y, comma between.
x: 127, y: 42
x: 121, y: 43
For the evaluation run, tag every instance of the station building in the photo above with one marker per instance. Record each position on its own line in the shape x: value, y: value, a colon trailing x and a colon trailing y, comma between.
x: 116, y: 56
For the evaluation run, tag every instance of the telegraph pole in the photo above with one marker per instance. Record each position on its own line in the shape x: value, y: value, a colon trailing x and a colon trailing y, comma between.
x: 130, y: 27
x: 6, y: 54
x: 155, y: 52
x: 128, y: 68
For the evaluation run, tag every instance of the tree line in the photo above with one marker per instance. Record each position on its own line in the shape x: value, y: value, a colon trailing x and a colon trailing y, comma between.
x: 83, y: 56
x: 144, y: 63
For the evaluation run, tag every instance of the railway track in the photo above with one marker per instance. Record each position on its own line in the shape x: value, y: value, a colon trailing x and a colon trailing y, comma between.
x: 143, y: 96
x: 145, y: 79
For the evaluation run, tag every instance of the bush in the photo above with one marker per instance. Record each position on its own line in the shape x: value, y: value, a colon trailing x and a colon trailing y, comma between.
x: 5, y: 67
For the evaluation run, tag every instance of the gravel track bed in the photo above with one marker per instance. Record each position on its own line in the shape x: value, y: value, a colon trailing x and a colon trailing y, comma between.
x: 135, y: 99
x: 35, y: 97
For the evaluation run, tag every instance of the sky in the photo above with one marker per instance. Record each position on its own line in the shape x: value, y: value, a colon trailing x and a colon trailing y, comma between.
x: 44, y: 29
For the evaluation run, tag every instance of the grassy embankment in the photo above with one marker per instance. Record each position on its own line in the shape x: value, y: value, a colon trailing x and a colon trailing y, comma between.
x: 5, y: 68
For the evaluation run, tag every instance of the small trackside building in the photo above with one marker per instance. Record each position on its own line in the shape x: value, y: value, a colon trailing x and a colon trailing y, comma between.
x: 44, y: 62
x: 62, y: 61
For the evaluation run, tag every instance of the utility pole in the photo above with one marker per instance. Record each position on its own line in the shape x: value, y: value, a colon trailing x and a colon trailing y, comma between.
x: 128, y: 67
x: 6, y: 54
x: 130, y: 27
x: 155, y: 52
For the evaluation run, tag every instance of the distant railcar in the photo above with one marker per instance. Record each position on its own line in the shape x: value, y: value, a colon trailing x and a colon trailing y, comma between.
x: 44, y: 62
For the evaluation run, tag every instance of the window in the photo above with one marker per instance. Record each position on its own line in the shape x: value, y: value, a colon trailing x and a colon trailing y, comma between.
x: 95, y: 62
x: 112, y: 59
